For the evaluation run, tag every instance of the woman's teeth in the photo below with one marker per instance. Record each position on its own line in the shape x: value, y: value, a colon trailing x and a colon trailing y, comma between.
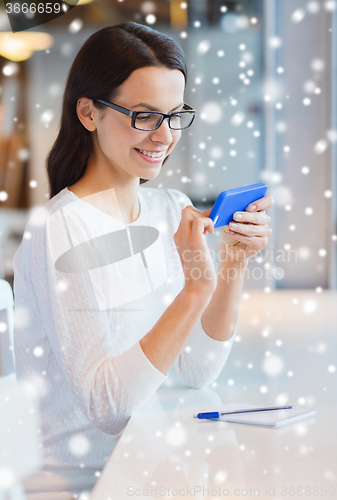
x: 152, y: 155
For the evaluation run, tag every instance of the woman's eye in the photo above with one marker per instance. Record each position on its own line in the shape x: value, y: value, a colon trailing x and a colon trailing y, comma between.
x: 143, y: 118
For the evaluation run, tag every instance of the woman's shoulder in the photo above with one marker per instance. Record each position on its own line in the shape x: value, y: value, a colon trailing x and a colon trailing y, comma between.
x: 38, y: 227
x: 40, y: 217
x: 62, y: 221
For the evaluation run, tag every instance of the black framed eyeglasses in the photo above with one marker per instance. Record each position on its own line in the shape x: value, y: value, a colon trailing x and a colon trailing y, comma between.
x: 151, y: 120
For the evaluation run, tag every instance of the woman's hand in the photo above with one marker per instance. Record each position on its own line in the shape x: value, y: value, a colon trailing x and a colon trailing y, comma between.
x: 195, y: 257
x: 248, y: 234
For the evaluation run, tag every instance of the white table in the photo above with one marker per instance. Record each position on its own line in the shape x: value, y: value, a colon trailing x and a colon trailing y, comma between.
x: 286, y: 354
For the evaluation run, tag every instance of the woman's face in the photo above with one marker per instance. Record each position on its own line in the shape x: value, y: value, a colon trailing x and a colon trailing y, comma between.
x: 162, y: 89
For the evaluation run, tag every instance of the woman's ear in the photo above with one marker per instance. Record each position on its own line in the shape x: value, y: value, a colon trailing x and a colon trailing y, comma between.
x: 86, y: 113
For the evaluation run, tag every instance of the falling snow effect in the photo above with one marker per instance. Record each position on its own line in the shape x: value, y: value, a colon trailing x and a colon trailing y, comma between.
x: 79, y: 445
x: 230, y: 97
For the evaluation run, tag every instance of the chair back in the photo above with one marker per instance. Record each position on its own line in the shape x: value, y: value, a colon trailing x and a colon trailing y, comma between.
x: 7, y: 362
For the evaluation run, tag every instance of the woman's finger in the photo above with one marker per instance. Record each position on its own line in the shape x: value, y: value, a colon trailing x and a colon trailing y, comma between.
x: 255, y: 243
x: 228, y: 239
x: 190, y: 213
x: 249, y: 229
x: 200, y: 225
x: 207, y: 212
x: 261, y: 204
x: 252, y: 217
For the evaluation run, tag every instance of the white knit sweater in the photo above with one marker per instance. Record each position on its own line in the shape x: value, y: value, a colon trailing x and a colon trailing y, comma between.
x: 76, y: 334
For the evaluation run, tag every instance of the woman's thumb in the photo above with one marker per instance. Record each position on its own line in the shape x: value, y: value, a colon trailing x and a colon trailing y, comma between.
x: 207, y: 212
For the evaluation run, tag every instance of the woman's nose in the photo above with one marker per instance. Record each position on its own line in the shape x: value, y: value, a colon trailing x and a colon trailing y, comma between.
x: 163, y: 133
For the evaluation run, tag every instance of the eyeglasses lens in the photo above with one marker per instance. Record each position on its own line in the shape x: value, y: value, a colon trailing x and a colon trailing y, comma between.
x: 150, y: 121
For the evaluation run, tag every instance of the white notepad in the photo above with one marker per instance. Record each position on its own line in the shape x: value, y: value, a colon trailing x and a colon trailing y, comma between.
x: 274, y: 418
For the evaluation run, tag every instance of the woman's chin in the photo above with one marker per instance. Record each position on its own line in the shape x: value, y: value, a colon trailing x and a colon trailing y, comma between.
x: 146, y: 175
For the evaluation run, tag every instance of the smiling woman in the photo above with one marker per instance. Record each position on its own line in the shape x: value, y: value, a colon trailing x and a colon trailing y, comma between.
x: 113, y: 277
x: 126, y: 64
x: 121, y: 152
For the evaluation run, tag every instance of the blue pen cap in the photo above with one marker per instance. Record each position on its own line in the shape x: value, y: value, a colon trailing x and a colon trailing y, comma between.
x: 213, y: 414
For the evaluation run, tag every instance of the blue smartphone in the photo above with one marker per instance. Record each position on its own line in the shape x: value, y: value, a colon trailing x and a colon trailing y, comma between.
x: 235, y: 200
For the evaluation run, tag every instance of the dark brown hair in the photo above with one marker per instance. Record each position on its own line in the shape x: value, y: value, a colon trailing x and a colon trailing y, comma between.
x: 104, y: 62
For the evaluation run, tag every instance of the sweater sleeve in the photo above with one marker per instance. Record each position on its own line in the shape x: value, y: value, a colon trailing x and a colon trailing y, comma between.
x: 107, y: 386
x: 202, y: 358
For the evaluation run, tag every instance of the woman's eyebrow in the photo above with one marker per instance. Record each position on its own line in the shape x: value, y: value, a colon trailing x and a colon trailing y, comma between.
x: 154, y: 109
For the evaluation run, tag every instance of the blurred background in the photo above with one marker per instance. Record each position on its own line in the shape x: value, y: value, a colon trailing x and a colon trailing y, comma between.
x: 262, y: 77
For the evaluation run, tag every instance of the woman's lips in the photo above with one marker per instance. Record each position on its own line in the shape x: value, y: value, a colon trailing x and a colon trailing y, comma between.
x: 149, y: 159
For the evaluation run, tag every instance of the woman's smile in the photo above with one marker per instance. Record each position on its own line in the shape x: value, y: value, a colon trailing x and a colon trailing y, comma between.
x: 151, y: 157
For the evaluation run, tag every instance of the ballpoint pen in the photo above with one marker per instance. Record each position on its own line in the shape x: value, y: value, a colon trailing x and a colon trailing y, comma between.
x: 216, y: 414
